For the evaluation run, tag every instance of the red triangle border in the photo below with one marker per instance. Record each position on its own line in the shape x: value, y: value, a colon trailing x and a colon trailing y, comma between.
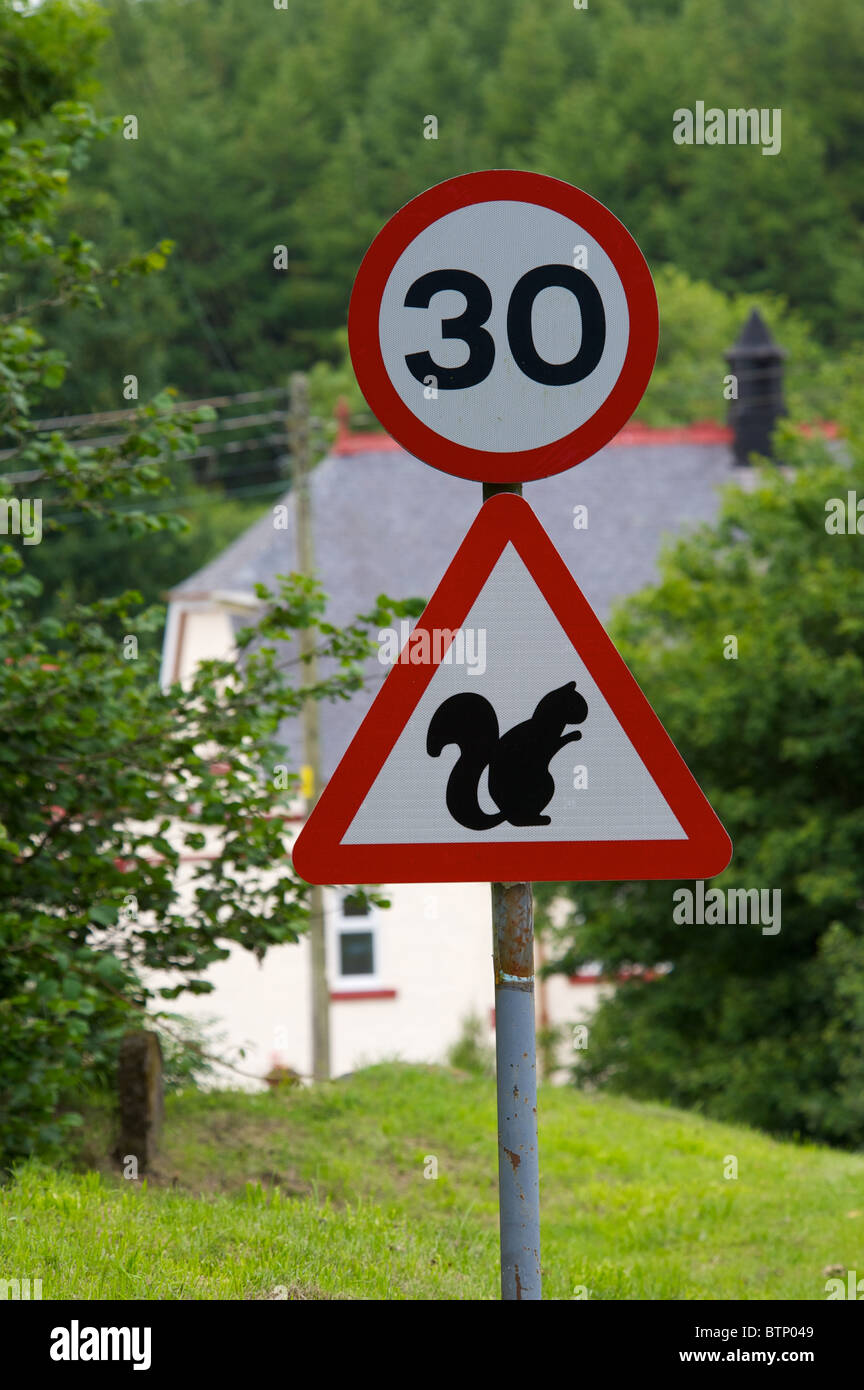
x: 320, y: 857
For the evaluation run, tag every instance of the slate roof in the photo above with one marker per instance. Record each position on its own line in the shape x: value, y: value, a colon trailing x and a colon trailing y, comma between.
x: 386, y: 523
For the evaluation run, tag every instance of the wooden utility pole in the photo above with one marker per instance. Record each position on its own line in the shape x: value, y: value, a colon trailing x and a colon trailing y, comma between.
x: 320, y: 997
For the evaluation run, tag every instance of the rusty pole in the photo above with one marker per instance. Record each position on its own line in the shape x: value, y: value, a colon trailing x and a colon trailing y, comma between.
x: 516, y: 1065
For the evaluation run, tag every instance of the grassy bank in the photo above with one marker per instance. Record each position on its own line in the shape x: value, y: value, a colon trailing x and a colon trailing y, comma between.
x: 322, y: 1193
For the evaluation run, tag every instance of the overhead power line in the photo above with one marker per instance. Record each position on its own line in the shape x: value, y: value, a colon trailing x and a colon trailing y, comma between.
x: 264, y: 432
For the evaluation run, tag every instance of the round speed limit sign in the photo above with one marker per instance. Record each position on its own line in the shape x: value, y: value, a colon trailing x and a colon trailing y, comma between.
x: 503, y: 326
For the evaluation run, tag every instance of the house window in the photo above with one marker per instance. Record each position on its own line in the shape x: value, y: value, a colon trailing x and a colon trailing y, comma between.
x: 355, y: 953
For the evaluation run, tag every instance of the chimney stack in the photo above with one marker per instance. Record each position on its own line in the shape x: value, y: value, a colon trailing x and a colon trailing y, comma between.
x: 757, y: 363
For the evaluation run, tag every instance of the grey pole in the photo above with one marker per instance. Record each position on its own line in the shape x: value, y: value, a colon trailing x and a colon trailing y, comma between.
x: 516, y: 1065
x: 518, y: 1172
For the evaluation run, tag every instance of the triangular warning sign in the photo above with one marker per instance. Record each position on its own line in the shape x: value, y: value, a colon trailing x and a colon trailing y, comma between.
x: 510, y: 742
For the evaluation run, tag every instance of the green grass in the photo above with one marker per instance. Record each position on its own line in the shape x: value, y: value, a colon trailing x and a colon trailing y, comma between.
x: 321, y: 1193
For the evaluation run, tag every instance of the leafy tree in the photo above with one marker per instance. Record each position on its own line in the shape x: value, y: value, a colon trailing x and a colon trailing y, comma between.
x: 48, y: 53
x: 758, y: 1027
x: 105, y: 779
x: 87, y: 558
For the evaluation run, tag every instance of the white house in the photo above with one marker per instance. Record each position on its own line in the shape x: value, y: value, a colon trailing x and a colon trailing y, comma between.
x: 404, y: 980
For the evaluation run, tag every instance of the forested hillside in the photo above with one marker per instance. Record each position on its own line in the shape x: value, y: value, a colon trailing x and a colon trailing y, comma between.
x: 304, y: 127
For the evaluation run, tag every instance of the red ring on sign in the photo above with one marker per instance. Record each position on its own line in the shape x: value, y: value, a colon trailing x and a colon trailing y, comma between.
x: 494, y: 466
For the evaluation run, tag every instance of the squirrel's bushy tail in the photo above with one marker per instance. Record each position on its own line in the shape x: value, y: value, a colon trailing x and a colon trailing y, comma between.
x: 471, y: 723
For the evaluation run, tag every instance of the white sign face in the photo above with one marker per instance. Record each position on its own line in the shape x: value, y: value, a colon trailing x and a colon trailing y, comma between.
x: 513, y: 653
x: 503, y: 326
x: 524, y: 306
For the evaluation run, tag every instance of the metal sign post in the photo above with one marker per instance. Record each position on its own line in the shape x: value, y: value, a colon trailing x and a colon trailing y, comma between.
x: 516, y: 1067
x: 516, y: 1075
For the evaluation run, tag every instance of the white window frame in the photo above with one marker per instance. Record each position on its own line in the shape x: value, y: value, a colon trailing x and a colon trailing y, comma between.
x: 340, y: 925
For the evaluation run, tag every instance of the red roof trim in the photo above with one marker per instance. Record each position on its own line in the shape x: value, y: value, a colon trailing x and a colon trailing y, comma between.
x: 632, y: 435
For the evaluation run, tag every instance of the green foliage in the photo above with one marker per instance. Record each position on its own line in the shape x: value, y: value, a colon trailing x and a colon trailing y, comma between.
x: 699, y: 323
x: 47, y: 53
x: 105, y: 778
x: 55, y: 279
x: 303, y: 128
x: 332, y: 382
x: 750, y: 1026
x: 104, y: 781
x: 85, y: 557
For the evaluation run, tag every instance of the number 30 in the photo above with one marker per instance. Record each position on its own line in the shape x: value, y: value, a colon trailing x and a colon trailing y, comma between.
x: 468, y: 328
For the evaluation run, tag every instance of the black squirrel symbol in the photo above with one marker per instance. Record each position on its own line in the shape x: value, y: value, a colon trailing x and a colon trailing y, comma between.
x: 520, y: 782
